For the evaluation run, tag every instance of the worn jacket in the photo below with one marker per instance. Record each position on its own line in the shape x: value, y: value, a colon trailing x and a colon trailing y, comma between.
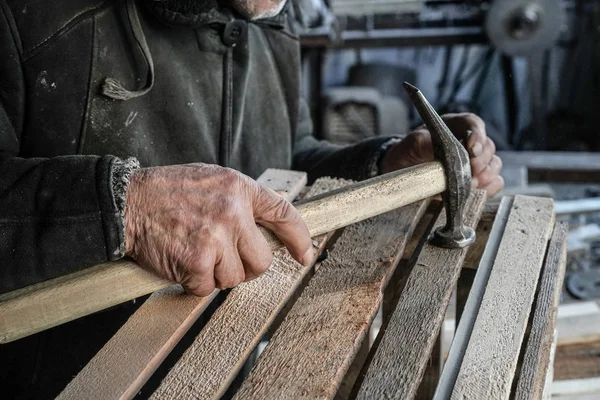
x: 85, y: 84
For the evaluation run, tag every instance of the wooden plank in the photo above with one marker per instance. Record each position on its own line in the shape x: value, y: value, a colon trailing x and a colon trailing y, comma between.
x: 576, y: 387
x: 531, y: 382
x: 578, y: 323
x: 38, y: 307
x: 547, y: 392
x: 431, y: 376
x: 319, y: 338
x: 398, y: 363
x: 483, y: 232
x: 471, y: 308
x: 577, y: 361
x: 207, y: 368
x: 490, y: 360
x: 555, y: 166
x: 568, y: 161
x: 133, y: 354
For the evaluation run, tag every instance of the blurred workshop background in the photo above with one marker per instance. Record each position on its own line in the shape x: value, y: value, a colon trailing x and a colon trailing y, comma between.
x: 529, y: 68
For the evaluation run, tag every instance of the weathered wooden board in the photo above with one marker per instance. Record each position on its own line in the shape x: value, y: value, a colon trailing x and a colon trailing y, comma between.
x: 489, y: 364
x: 402, y: 353
x: 316, y: 344
x: 133, y: 354
x: 470, y: 306
x: 530, y: 384
x: 207, y: 368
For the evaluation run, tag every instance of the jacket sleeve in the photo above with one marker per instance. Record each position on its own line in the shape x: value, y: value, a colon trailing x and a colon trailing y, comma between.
x: 322, y: 158
x: 57, y: 215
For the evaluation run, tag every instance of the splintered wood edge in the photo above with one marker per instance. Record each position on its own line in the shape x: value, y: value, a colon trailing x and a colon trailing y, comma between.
x: 344, y: 276
x: 132, y: 355
x: 393, y: 370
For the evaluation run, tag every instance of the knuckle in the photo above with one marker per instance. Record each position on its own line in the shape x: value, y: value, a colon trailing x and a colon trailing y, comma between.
x: 281, y: 211
x: 199, y: 288
x: 498, y: 163
x: 492, y: 146
x: 474, y: 119
x: 264, y: 264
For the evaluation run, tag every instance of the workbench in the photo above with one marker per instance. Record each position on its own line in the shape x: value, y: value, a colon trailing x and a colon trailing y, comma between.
x: 318, y: 318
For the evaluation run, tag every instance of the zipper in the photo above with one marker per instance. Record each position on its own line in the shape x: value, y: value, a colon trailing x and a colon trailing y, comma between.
x: 227, y: 128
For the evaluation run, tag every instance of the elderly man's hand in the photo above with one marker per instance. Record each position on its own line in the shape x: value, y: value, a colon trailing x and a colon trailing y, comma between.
x: 417, y: 149
x: 196, y: 225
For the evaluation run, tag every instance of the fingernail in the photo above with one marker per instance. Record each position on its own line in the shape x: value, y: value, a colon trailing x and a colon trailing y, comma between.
x: 475, y: 183
x: 476, y: 149
x: 308, y: 258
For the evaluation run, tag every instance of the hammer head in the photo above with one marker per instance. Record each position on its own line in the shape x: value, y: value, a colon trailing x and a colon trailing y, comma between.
x: 455, y: 159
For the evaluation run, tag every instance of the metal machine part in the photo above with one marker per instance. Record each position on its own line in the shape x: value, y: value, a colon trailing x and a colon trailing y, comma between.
x: 521, y: 27
x: 361, y: 7
x: 352, y: 114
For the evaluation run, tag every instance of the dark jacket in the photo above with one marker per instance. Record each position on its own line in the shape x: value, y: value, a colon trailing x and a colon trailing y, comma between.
x: 226, y: 91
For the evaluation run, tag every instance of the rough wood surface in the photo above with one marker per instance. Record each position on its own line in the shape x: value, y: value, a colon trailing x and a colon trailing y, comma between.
x: 133, y: 354
x: 38, y: 307
x: 431, y: 376
x: 372, y: 197
x: 490, y: 360
x: 469, y: 312
x: 399, y: 360
x: 207, y: 368
x: 536, y: 361
x: 319, y: 338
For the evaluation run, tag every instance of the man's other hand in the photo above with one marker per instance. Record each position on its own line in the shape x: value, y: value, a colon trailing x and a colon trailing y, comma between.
x: 196, y: 225
x: 417, y: 148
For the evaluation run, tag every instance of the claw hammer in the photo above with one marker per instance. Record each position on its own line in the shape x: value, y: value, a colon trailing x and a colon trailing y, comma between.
x: 42, y: 306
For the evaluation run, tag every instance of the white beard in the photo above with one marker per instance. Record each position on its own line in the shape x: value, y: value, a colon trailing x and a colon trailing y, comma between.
x: 245, y: 10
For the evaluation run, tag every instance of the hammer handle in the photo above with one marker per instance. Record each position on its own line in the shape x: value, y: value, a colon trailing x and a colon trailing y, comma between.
x: 42, y: 306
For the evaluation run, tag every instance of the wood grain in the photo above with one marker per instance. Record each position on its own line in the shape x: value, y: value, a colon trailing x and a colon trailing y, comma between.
x: 401, y: 354
x: 133, y: 354
x: 319, y: 338
x: 207, y: 368
x: 530, y: 384
x: 490, y: 360
x: 469, y: 313
x: 39, y: 307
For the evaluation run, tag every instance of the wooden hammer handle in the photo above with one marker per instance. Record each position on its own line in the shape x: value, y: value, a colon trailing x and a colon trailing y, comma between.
x: 42, y: 306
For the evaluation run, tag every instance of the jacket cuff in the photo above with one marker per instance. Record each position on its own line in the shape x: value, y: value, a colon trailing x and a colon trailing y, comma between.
x: 374, y: 166
x: 113, y: 175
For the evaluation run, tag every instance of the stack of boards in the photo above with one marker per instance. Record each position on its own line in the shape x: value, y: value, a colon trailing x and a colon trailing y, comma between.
x: 316, y: 349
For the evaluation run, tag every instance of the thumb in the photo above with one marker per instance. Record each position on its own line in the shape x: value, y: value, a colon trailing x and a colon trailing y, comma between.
x: 279, y: 215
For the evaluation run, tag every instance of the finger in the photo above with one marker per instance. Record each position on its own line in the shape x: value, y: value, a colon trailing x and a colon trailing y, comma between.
x: 461, y: 124
x: 490, y: 172
x: 199, y: 276
x: 254, y: 252
x: 478, y: 164
x: 229, y: 270
x: 494, y: 187
x: 476, y: 143
x: 278, y: 215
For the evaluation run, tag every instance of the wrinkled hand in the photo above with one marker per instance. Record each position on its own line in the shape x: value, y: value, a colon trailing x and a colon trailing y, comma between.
x: 416, y: 149
x: 196, y: 225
